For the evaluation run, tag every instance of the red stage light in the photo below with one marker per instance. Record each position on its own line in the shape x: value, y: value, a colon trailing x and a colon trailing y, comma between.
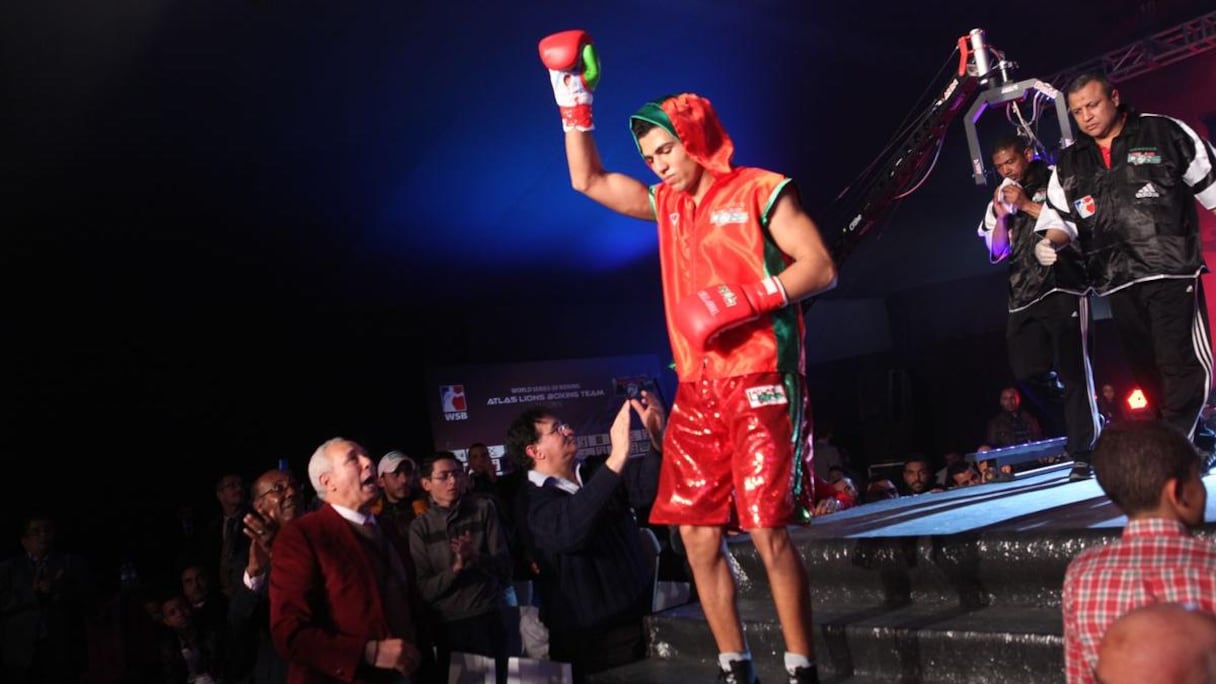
x: 1136, y: 401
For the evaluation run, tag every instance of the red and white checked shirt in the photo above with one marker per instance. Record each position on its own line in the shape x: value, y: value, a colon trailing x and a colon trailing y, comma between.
x: 1156, y: 560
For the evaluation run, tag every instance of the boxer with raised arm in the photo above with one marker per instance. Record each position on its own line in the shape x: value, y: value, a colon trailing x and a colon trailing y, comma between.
x: 737, y: 252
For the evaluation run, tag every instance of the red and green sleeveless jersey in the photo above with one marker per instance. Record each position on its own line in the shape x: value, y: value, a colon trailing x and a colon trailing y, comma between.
x: 726, y: 240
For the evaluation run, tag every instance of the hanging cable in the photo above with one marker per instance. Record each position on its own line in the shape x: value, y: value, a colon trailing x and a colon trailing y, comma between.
x: 927, y: 173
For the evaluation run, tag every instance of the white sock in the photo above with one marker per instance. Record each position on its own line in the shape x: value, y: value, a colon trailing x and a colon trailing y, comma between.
x: 794, y: 661
x: 725, y: 659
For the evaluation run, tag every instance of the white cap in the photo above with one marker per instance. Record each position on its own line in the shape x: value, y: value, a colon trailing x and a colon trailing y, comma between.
x: 392, y: 461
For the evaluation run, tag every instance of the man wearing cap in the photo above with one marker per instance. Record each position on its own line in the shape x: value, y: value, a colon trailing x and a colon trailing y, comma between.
x: 737, y: 252
x: 398, y: 503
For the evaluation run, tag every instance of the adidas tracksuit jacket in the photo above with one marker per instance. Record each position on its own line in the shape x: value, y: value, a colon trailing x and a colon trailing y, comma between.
x: 1137, y: 224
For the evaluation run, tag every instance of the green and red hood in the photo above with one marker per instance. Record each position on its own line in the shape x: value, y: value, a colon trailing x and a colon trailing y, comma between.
x: 691, y: 119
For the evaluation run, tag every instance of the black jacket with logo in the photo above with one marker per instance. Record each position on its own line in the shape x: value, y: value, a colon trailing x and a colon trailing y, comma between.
x: 1136, y: 220
x: 1030, y: 281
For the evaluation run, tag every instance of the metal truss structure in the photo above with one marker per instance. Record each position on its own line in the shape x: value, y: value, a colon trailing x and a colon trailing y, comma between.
x: 1159, y: 50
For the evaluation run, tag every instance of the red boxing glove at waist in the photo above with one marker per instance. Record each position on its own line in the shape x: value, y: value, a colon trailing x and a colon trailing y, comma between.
x: 703, y: 315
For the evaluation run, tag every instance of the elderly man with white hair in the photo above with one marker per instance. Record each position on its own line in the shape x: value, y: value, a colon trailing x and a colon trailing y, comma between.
x: 343, y: 602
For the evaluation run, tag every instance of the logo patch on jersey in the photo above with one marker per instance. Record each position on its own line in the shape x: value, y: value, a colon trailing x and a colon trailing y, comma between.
x: 722, y: 217
x: 1040, y: 196
x: 1147, y: 192
x: 1086, y: 206
x: 674, y: 217
x: 766, y: 395
x: 1139, y: 156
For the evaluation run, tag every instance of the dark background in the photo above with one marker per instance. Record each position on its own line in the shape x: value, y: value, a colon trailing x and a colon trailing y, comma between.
x: 232, y: 230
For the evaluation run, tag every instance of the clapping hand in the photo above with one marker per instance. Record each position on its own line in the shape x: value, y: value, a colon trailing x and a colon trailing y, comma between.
x: 261, y: 531
x: 463, y: 551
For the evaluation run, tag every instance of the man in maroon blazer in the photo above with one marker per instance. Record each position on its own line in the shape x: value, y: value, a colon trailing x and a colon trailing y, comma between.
x: 343, y: 604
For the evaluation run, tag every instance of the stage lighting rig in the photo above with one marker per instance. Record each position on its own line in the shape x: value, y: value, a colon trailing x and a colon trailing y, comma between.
x: 993, y: 70
x: 983, y: 73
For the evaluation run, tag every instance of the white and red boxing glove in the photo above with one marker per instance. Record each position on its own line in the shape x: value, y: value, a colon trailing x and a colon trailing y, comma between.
x: 701, y: 316
x: 574, y: 71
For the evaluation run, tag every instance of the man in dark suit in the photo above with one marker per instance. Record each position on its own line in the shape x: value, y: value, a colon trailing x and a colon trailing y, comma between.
x: 343, y: 601
x: 277, y: 500
x: 222, y: 535
x: 44, y: 599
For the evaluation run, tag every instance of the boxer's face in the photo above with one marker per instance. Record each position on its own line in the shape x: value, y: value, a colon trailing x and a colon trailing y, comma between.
x: 666, y: 156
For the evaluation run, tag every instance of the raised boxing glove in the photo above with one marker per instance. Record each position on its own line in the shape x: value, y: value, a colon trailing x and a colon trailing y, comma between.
x: 574, y: 71
x: 701, y: 316
x: 1045, y: 252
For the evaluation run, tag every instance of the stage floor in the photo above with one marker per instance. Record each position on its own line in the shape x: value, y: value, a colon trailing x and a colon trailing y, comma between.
x: 1041, y: 500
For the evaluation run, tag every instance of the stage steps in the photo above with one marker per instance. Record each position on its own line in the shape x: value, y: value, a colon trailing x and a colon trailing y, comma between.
x: 977, y: 605
x: 962, y: 608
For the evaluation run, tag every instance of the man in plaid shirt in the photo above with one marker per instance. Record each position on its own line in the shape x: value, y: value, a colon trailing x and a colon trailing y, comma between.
x: 1152, y: 473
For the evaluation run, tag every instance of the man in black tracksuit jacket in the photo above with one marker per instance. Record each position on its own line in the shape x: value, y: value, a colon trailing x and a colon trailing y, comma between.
x: 1125, y: 192
x: 1047, y: 333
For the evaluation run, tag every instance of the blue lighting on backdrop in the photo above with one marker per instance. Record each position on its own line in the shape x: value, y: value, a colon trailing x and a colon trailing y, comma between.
x: 486, y: 182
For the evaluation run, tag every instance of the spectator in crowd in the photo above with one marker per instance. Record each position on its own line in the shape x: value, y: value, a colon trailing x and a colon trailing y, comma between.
x: 190, y: 653
x: 826, y: 454
x: 463, y: 563
x: 881, y: 490
x: 45, y: 597
x: 962, y: 474
x: 277, y: 499
x: 1110, y: 408
x: 483, y: 477
x: 343, y: 600
x: 223, y: 537
x: 1164, y: 643
x: 401, y: 498
x: 208, y: 607
x: 1150, y: 471
x: 918, y: 475
x: 594, y: 582
x: 942, y: 474
x: 1012, y: 424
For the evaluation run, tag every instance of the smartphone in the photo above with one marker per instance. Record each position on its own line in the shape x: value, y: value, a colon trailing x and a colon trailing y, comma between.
x: 632, y: 387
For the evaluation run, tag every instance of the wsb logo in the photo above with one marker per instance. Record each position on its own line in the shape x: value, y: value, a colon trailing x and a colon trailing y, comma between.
x: 455, y: 406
